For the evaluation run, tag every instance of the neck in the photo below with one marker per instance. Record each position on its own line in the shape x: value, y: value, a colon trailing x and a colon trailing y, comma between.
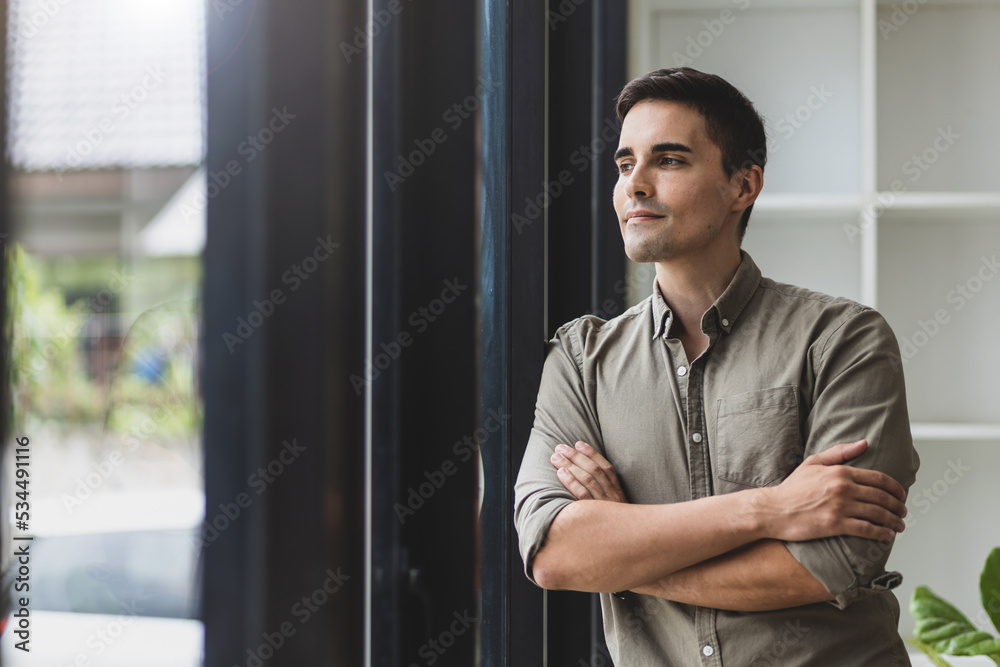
x: 691, y: 285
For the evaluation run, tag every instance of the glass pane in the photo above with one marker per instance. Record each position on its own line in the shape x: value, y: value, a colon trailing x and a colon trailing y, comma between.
x: 106, y: 138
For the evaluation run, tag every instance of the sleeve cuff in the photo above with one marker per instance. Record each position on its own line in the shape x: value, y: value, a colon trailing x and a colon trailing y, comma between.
x: 828, y: 561
x: 533, y: 528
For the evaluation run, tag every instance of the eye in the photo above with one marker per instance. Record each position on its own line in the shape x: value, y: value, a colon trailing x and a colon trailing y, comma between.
x: 624, y: 167
x: 670, y: 161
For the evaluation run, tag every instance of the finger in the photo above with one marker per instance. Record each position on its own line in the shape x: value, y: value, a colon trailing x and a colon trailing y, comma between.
x: 592, y: 454
x: 868, y: 531
x: 587, y: 470
x: 598, y: 458
x: 838, y: 453
x: 883, y: 500
x: 878, y: 480
x: 877, y: 515
x: 584, y: 482
x: 573, y: 485
x: 594, y: 481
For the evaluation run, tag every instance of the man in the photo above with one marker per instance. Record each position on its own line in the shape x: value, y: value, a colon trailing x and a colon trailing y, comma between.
x: 727, y: 461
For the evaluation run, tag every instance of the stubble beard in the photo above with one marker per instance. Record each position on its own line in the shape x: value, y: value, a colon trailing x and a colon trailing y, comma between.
x: 643, y: 246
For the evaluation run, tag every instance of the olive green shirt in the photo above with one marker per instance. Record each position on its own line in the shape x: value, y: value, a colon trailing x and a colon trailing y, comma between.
x: 787, y: 373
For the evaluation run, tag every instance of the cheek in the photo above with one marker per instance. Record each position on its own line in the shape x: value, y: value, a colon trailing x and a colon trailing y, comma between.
x: 618, y: 197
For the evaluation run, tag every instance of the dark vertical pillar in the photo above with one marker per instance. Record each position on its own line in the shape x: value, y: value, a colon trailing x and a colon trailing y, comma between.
x: 609, y: 77
x: 573, y: 160
x: 513, y: 317
x: 284, y: 326
x: 424, y: 429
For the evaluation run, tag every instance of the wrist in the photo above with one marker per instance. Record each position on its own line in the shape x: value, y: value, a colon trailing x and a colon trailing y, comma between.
x: 753, y: 516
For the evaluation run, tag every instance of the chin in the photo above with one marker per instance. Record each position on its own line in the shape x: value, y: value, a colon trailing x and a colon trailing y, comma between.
x: 642, y: 255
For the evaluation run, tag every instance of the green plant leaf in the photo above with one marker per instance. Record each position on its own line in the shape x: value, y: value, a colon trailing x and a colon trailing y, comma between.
x: 989, y: 587
x: 930, y: 653
x: 945, y: 629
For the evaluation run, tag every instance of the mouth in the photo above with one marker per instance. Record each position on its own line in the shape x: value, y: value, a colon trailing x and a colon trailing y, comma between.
x: 641, y: 216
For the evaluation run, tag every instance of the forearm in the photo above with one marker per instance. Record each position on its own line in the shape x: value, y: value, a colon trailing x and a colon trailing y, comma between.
x: 601, y: 546
x: 757, y: 577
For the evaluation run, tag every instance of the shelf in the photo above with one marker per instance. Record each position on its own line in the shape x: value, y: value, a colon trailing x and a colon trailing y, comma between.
x: 943, y: 201
x: 949, y: 433
x: 807, y: 203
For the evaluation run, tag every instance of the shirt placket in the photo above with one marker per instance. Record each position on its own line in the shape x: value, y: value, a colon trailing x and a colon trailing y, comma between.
x: 690, y: 383
x: 701, y: 486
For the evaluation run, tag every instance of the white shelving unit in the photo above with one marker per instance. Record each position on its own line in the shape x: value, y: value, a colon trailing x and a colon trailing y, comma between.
x: 883, y: 186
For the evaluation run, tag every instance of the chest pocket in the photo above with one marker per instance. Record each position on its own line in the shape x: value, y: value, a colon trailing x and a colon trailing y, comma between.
x: 758, y: 441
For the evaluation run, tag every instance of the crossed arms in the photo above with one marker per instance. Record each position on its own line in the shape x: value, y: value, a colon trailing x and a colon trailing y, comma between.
x: 719, y: 551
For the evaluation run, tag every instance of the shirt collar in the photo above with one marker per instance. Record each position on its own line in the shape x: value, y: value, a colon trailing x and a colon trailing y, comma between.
x: 727, y: 307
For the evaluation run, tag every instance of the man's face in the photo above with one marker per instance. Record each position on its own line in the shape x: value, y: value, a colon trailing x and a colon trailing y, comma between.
x: 672, y: 197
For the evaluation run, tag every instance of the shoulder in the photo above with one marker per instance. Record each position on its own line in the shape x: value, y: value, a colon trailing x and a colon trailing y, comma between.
x: 831, y: 320
x: 588, y: 335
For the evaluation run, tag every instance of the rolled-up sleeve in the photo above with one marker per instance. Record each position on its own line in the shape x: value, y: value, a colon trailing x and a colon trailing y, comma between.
x: 564, y: 414
x: 859, y: 393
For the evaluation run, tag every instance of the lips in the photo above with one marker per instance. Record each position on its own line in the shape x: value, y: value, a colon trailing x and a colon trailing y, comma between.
x: 642, y: 215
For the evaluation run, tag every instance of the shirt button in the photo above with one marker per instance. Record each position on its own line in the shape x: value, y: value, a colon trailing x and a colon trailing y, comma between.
x: 682, y: 370
x: 707, y: 651
x: 697, y: 438
x: 725, y: 323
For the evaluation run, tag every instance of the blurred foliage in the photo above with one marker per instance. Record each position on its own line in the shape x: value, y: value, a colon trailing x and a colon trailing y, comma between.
x: 148, y: 391
x: 47, y: 376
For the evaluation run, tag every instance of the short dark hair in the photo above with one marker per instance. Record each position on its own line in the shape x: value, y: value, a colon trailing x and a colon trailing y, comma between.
x: 731, y: 121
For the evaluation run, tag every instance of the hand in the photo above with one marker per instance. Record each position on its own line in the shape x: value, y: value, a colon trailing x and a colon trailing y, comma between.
x: 823, y: 498
x: 587, y: 474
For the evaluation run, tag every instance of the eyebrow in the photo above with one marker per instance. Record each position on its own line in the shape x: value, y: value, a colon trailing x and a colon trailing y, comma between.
x: 664, y: 147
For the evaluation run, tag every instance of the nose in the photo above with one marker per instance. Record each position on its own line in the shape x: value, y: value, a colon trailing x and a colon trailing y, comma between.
x: 637, y: 182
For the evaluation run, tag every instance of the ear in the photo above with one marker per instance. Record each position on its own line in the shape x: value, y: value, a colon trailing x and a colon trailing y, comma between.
x: 750, y: 181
